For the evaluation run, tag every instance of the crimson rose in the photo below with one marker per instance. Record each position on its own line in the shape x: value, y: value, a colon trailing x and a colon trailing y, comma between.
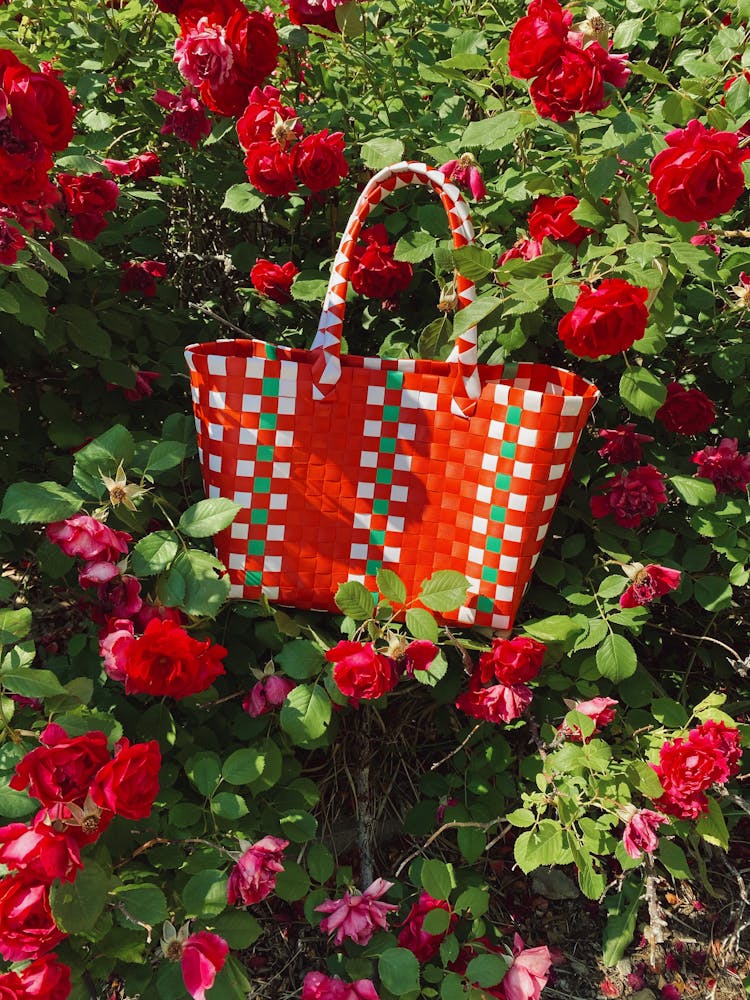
x: 165, y: 660
x: 128, y: 784
x: 606, y: 319
x: 318, y: 160
x: 512, y: 661
x: 631, y: 496
x: 686, y: 411
x: 699, y: 176
x: 537, y: 39
x: 361, y: 672
x: 61, y: 769
x: 551, y: 217
x: 274, y: 280
x: 374, y: 271
x: 27, y: 929
x: 269, y: 168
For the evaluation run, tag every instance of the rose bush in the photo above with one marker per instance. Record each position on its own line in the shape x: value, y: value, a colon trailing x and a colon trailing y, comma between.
x: 355, y: 788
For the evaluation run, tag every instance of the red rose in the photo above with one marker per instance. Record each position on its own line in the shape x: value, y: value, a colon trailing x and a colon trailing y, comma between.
x: 11, y: 241
x: 623, y: 444
x: 269, y: 168
x: 512, y: 661
x: 165, y: 660
x: 605, y: 319
x: 264, y: 112
x: 573, y: 83
x: 40, y: 851
x: 187, y: 118
x: 650, y: 582
x: 723, y: 464
x: 254, y: 876
x: 686, y: 411
x: 537, y: 40
x: 85, y: 537
x: 128, y: 784
x: 88, y: 225
x: 414, y: 937
x: 523, y: 249
x: 139, y: 277
x: 319, y: 13
x: 726, y: 740
x: 699, y: 176
x: 143, y: 387
x: 61, y: 769
x: 318, y: 160
x: 551, y: 217
x: 41, y: 103
x: 360, y: 672
x: 21, y: 178
x: 215, y: 12
x: 45, y: 979
x: 374, y: 272
x: 88, y: 193
x: 631, y: 496
x: 686, y: 769
x: 27, y: 929
x: 274, y: 280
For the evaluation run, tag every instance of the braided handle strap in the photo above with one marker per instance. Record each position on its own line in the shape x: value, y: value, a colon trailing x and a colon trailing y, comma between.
x: 327, y: 368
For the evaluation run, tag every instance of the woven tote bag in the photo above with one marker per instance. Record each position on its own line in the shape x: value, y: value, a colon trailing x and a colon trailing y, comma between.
x: 344, y: 464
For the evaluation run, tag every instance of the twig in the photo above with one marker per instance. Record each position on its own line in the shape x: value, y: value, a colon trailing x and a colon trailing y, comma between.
x: 134, y: 920
x: 365, y: 818
x: 219, y: 319
x: 731, y: 941
x: 452, y: 825
x: 656, y: 921
x: 461, y: 745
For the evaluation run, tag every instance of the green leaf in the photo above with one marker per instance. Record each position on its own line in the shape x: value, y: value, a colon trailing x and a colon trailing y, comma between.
x: 486, y: 970
x: 355, y: 600
x: 103, y: 454
x: 196, y: 582
x: 474, y: 313
x: 415, y: 247
x: 649, y: 72
x: 438, y: 879
x: 320, y: 862
x: 521, y: 817
x: 696, y: 492
x: 204, y: 770
x: 398, y: 969
x: 350, y: 21
x: 712, y: 593
x: 300, y: 659
x: 14, y: 624
x: 306, y: 714
x: 712, y: 826
x: 391, y: 586
x: 616, y: 659
x: 16, y: 805
x: 645, y: 779
x: 498, y: 131
x: 154, y: 553
x: 541, y: 846
x: 258, y: 766
x: 474, y: 900
x: 601, y: 175
x: 229, y: 806
x: 237, y: 927
x: 673, y: 858
x: 207, y: 517
x: 144, y: 902
x: 8, y: 302
x: 669, y: 713
x: 76, y: 906
x: 436, y: 922
x: 642, y: 392
x: 445, y: 590
x: 39, y: 503
x: 166, y: 455
x: 381, y: 152
x: 242, y: 198
x: 293, y: 883
x: 309, y: 289
x: 555, y: 628
x: 298, y: 825
x: 473, y: 262
x: 622, y: 913
x: 471, y: 843
x: 422, y: 625
x: 205, y: 894
x: 31, y: 683
x: 627, y: 32
x: 32, y: 280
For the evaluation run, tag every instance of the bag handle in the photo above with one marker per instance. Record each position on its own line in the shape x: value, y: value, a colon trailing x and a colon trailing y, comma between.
x: 327, y: 367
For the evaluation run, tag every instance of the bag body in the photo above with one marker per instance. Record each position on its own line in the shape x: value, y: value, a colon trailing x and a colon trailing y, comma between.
x: 343, y: 464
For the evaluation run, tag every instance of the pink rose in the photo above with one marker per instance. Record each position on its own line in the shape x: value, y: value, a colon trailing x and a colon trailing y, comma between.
x: 723, y: 464
x: 254, y: 876
x: 84, y: 537
x: 528, y: 973
x: 640, y: 832
x: 600, y: 710
x: 357, y: 916
x: 267, y: 694
x: 467, y: 174
x: 187, y: 118
x: 113, y: 647
x: 204, y: 54
x: 203, y: 956
x: 143, y: 386
x: 319, y: 986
